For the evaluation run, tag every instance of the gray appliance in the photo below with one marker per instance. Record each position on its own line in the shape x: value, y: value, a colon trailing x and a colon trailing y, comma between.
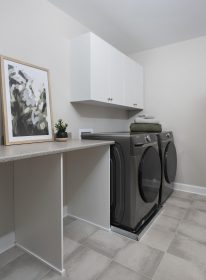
x: 168, y: 157
x: 135, y: 178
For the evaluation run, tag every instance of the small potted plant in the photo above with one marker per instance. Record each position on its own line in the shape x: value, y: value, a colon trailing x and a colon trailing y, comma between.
x: 61, y: 133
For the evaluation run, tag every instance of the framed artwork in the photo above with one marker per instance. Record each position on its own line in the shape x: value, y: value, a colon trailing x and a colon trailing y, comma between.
x: 26, y: 102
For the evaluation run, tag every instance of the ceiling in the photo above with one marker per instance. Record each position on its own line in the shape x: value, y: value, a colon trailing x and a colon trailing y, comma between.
x: 136, y: 25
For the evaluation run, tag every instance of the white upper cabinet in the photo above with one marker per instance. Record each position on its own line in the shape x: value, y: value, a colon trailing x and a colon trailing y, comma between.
x: 99, y: 69
x: 140, y: 87
x: 102, y: 74
x: 133, y: 84
x: 117, y: 73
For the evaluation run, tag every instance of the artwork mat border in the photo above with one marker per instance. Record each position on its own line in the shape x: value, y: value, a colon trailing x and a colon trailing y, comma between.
x: 4, y: 102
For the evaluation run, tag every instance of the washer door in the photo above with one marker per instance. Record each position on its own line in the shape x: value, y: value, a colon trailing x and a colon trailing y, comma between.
x: 170, y: 162
x: 149, y: 175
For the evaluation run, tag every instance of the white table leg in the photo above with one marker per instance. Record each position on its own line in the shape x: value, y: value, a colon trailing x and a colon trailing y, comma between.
x: 38, y: 196
x: 87, y: 185
x: 7, y: 237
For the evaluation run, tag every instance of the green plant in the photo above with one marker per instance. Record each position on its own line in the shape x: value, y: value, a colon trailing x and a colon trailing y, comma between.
x: 60, y: 126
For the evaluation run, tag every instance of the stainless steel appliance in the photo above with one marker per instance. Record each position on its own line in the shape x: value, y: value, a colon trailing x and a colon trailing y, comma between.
x: 135, y: 178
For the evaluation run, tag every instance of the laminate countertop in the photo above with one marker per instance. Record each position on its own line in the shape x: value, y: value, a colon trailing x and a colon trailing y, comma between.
x: 23, y: 151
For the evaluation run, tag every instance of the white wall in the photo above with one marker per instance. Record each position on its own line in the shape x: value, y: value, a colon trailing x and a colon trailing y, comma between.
x: 175, y: 92
x: 37, y: 32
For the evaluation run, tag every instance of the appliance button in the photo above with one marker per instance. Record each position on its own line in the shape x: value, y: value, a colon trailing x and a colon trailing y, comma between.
x: 148, y: 139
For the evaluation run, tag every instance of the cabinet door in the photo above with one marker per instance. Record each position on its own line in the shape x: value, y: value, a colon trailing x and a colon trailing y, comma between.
x: 99, y: 52
x: 133, y: 84
x: 140, y: 89
x: 117, y: 76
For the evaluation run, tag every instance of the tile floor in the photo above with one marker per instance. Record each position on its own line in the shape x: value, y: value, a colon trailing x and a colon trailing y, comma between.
x: 173, y: 248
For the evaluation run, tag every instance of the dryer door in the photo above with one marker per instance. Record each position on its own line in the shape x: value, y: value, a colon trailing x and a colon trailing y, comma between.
x: 149, y: 175
x: 170, y: 162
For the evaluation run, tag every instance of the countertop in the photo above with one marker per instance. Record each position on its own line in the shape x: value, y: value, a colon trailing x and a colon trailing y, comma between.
x: 23, y: 151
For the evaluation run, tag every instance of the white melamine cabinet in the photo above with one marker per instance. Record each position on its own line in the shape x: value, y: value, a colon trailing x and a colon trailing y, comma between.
x: 99, y: 69
x: 133, y: 84
x: 117, y: 73
x: 101, y: 74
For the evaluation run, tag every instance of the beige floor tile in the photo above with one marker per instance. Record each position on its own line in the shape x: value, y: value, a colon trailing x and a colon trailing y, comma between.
x: 10, y: 255
x: 79, y: 230
x: 140, y: 258
x: 24, y: 267
x: 159, y: 239
x: 68, y: 220
x: 179, y: 202
x: 175, y: 268
x: 85, y: 264
x: 118, y: 272
x: 196, y: 217
x: 199, y: 197
x: 189, y: 196
x: 184, y: 239
x: 199, y: 205
x: 53, y: 276
x: 192, y: 231
x: 180, y: 194
x: 166, y: 223
x: 69, y: 247
x: 188, y: 249
x: 174, y: 211
x: 106, y: 242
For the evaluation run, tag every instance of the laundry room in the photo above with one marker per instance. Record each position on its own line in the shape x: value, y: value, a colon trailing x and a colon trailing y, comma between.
x: 102, y: 157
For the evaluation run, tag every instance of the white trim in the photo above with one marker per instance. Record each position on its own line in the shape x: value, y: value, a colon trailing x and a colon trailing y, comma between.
x: 66, y: 213
x: 62, y: 272
x: 7, y: 241
x: 62, y: 213
x: 89, y: 222
x: 190, y: 188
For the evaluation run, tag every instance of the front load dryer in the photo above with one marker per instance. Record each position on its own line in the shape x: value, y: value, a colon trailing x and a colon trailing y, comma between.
x: 168, y: 157
x: 135, y: 178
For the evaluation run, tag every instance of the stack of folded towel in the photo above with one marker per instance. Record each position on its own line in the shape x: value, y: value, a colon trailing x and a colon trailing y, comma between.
x: 145, y: 123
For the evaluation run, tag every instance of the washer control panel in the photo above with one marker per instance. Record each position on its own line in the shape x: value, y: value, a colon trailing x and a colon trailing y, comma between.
x: 148, y: 139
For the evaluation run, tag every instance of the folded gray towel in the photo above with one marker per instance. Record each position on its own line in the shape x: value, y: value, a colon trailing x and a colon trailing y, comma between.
x: 145, y: 127
x: 145, y: 120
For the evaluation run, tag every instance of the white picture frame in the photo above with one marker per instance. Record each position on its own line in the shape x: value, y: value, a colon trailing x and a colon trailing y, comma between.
x: 26, y: 102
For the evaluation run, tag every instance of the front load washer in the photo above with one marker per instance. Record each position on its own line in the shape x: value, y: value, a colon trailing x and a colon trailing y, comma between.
x: 168, y: 157
x: 135, y: 178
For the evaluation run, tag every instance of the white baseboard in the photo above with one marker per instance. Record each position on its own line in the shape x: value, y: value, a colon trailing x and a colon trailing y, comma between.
x: 7, y: 241
x: 66, y: 213
x: 190, y: 188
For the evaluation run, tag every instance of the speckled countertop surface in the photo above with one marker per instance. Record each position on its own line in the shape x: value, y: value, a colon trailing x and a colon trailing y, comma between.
x: 23, y: 151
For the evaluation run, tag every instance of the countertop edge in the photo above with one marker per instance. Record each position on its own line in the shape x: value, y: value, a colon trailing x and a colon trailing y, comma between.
x: 58, y: 150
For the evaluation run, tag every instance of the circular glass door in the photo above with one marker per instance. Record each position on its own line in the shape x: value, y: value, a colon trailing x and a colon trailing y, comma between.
x: 170, y: 162
x: 149, y: 175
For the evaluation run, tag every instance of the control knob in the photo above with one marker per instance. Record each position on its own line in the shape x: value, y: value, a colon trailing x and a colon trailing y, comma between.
x: 148, y: 139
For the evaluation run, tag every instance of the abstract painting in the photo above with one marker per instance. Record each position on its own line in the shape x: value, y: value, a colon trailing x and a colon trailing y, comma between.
x: 26, y: 102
